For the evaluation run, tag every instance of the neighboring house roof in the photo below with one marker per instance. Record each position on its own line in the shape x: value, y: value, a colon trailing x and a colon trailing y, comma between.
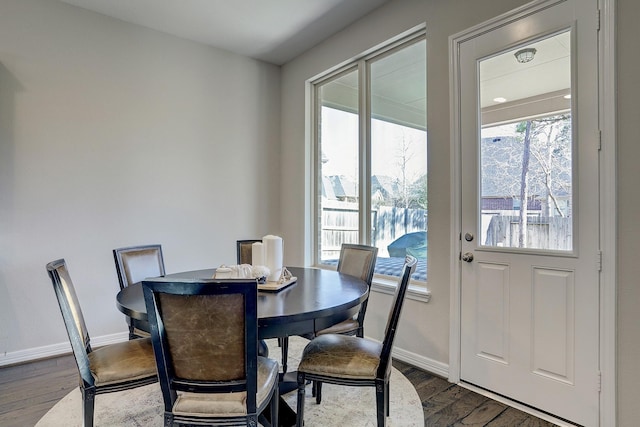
x: 383, y: 184
x: 327, y: 189
x: 336, y: 187
x: 343, y: 187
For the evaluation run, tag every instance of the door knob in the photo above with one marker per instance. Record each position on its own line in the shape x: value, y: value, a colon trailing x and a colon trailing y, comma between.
x: 467, y: 257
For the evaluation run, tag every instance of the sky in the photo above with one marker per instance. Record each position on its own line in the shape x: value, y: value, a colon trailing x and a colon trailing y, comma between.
x: 340, y: 146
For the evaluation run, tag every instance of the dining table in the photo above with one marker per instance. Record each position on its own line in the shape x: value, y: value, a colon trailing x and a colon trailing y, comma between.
x: 316, y: 300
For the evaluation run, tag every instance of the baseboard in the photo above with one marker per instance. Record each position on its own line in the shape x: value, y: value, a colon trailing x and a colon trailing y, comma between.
x: 28, y: 355
x: 422, y: 362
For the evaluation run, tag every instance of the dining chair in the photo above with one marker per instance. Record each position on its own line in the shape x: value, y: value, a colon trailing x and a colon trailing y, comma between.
x: 355, y: 361
x: 244, y: 250
x: 133, y: 264
x: 205, y: 339
x: 244, y: 255
x: 110, y: 368
x: 359, y: 261
x: 355, y: 260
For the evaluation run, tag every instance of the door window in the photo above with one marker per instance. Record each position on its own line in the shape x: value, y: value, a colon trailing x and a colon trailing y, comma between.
x: 525, y: 146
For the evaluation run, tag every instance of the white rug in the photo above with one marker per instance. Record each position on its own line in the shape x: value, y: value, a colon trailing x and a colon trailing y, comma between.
x: 341, y: 406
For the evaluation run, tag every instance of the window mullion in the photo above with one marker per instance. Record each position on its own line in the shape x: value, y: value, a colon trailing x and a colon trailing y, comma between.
x: 364, y: 168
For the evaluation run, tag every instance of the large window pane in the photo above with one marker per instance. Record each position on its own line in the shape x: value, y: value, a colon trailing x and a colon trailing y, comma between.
x: 399, y: 155
x: 338, y: 138
x: 371, y: 135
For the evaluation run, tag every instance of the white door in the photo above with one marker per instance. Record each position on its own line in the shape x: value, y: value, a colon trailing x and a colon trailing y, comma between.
x: 529, y: 258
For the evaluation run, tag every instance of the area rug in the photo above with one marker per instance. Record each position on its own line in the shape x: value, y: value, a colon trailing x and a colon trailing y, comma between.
x: 341, y: 406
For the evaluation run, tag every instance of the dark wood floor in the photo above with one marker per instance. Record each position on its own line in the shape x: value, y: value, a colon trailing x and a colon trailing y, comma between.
x: 446, y: 404
x: 28, y: 391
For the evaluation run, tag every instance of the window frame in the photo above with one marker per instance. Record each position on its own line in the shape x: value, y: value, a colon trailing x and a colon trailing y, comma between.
x: 361, y: 64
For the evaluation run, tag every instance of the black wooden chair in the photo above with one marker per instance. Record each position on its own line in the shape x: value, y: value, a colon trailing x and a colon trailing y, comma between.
x: 359, y: 261
x: 355, y: 260
x: 110, y: 368
x: 205, y: 338
x: 133, y: 264
x: 244, y: 255
x: 354, y: 361
x: 244, y: 250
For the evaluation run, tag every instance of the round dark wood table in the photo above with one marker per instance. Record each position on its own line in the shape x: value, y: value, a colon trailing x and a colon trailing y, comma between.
x: 317, y: 300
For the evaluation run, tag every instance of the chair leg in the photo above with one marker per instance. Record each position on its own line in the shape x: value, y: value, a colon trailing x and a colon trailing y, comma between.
x: 318, y: 385
x: 382, y: 408
x: 168, y: 419
x: 301, y: 395
x: 387, y: 395
x: 132, y: 334
x: 88, y: 404
x: 275, y: 407
x: 285, y: 352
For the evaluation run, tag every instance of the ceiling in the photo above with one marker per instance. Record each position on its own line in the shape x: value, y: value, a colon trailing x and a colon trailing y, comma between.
x: 274, y: 31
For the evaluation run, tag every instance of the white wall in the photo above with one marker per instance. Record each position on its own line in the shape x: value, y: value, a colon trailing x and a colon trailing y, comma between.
x: 424, y: 329
x: 114, y: 135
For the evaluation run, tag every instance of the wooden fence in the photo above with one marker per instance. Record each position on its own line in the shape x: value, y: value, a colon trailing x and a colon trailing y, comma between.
x: 554, y: 233
x: 340, y: 225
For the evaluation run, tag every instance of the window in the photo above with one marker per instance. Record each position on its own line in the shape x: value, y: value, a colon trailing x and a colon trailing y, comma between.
x: 526, y: 148
x: 370, y: 144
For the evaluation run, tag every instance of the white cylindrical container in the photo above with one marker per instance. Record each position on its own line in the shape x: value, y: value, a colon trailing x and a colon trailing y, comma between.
x: 257, y: 254
x: 273, y: 254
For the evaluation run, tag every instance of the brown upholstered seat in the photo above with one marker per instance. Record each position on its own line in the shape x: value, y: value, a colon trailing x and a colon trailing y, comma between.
x: 205, y: 338
x: 133, y: 264
x: 354, y: 361
x: 109, y: 368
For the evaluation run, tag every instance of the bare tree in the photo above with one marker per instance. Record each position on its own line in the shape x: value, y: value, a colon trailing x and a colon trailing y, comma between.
x: 535, y: 165
x: 404, y: 154
x: 524, y: 189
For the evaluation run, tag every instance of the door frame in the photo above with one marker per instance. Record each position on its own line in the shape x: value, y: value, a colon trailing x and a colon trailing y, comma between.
x: 608, y: 204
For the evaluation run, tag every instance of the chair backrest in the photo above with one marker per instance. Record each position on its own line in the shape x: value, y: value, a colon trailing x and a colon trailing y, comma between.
x: 394, y: 315
x: 244, y: 250
x: 72, y: 317
x: 205, y: 336
x: 359, y: 261
x: 135, y: 263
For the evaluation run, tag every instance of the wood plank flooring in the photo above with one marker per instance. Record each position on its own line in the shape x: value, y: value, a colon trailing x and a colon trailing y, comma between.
x: 446, y: 404
x: 28, y: 391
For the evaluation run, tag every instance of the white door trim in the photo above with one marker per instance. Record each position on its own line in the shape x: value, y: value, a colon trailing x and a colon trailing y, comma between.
x: 608, y: 214
x: 608, y: 200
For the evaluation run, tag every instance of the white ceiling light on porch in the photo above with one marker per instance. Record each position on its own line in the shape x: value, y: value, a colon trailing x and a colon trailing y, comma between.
x: 525, y: 55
